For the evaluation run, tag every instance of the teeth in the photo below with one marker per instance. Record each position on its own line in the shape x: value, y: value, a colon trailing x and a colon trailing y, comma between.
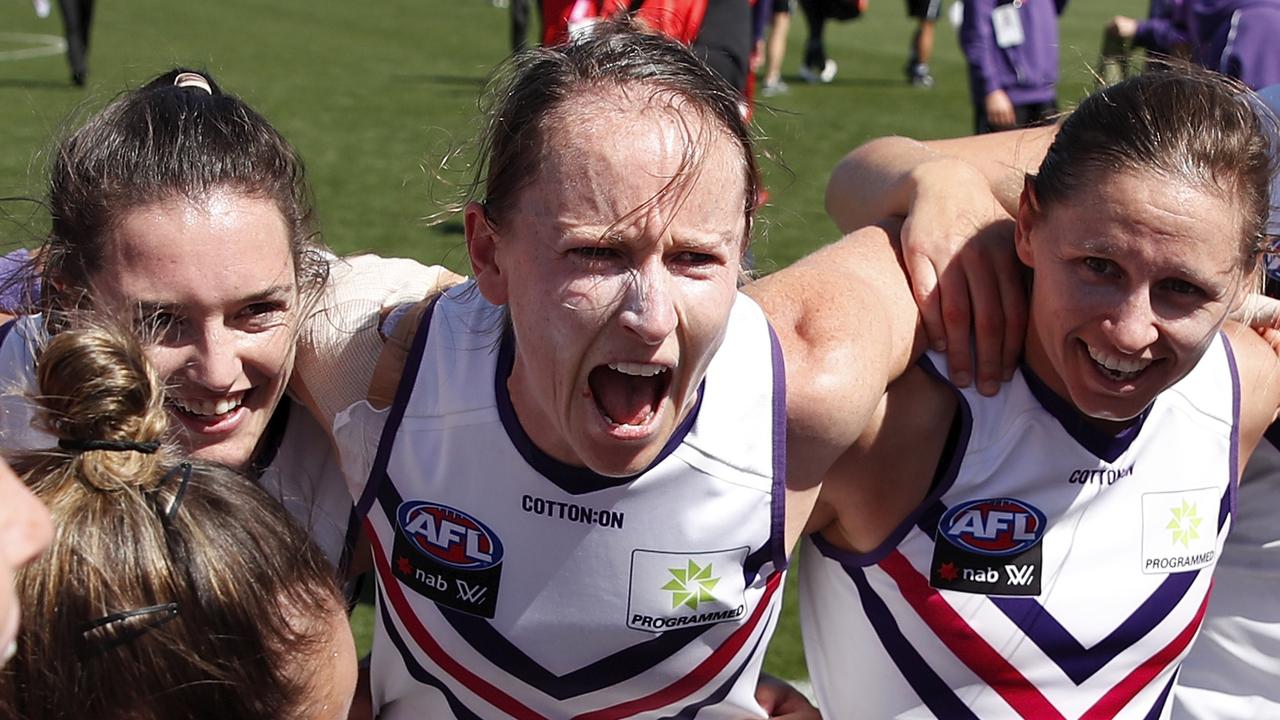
x: 1119, y: 367
x: 221, y: 406
x: 647, y: 418
x: 641, y: 369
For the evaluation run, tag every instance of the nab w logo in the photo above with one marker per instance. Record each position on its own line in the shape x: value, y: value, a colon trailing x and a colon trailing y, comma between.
x: 449, y: 536
x: 1020, y: 574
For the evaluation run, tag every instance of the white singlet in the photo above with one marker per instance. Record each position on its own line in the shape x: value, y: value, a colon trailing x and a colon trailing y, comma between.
x: 300, y: 466
x: 1052, y: 571
x: 512, y: 585
x: 1233, y: 669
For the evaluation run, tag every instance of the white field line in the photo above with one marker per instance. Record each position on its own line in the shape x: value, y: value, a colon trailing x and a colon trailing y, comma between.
x: 44, y: 45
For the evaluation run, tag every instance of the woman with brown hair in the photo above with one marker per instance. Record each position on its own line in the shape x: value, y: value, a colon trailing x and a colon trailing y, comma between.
x: 173, y: 587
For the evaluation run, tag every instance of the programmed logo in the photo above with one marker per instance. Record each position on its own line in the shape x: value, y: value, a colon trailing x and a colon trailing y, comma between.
x: 996, y: 527
x: 449, y: 536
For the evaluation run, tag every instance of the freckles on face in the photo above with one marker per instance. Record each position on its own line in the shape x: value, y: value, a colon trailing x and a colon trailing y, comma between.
x: 212, y: 284
x: 1134, y: 276
x: 623, y: 258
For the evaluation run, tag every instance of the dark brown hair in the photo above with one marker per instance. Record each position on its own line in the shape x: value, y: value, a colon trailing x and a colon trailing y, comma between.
x: 225, y: 590
x: 535, y: 92
x: 160, y: 142
x: 1178, y: 122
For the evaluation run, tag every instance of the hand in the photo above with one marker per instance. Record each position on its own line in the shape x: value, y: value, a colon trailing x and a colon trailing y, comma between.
x: 957, y: 244
x: 1122, y: 27
x: 781, y: 700
x: 1259, y: 312
x: 999, y: 109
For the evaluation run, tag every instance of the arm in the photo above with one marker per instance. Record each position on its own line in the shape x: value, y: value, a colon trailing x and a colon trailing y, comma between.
x: 848, y: 326
x: 339, y: 342
x: 1257, y: 354
x: 957, y: 197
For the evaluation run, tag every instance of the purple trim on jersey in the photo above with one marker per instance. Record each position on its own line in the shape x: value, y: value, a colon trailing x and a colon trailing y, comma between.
x: 569, y: 478
x: 408, y: 379
x: 1097, y: 441
x: 930, y: 509
x: 6, y: 329
x: 1078, y: 662
x: 1161, y: 701
x: 929, y: 687
x: 1233, y: 480
x: 416, y: 671
x: 778, y: 504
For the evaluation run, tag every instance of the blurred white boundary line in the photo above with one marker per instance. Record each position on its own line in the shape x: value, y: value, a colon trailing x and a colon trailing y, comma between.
x: 45, y: 45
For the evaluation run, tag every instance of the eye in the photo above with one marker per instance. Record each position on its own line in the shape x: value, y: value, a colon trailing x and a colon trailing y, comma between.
x: 1182, y: 287
x: 1099, y: 265
x: 161, y: 327
x: 264, y: 314
x: 696, y: 259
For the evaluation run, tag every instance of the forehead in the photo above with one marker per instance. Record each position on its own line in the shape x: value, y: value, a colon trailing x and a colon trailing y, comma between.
x: 224, y: 244
x: 614, y: 154
x: 1167, y: 221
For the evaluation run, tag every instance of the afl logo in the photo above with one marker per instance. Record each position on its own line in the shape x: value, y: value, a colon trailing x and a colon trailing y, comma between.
x: 994, y: 526
x: 449, y: 536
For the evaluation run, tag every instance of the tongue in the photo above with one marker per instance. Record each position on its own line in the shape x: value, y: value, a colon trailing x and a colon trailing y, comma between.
x: 626, y: 399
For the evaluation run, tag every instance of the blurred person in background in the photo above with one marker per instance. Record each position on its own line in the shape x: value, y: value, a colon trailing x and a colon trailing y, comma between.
x: 77, y: 22
x: 1012, y: 52
x: 1238, y: 39
x: 1165, y: 32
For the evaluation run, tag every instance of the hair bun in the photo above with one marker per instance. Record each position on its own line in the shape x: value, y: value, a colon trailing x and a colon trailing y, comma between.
x: 104, y: 403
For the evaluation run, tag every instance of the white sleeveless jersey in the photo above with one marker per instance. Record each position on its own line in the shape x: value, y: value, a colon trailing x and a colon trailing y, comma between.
x: 511, y: 585
x: 1052, y: 571
x: 1233, y: 670
x: 301, y: 466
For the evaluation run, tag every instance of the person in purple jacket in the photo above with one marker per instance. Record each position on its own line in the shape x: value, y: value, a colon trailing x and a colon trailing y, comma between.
x: 1237, y: 38
x: 1165, y: 32
x: 1012, y: 51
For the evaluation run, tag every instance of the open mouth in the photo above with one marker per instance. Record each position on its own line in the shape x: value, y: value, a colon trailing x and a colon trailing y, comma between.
x: 1120, y: 369
x: 629, y: 394
x: 207, y: 410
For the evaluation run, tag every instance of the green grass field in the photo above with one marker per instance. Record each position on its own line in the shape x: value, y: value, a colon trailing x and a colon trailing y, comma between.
x: 376, y: 94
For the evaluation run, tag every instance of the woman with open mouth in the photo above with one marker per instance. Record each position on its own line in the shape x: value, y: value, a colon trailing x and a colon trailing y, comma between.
x: 582, y: 472
x: 1049, y: 550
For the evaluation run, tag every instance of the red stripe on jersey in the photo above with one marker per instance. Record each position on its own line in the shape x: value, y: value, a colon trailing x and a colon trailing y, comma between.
x: 1119, y: 696
x: 701, y: 675
x: 418, y: 631
x: 965, y: 643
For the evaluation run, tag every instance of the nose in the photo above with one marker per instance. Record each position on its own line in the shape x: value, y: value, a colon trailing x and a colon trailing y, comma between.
x: 648, y: 308
x: 25, y: 526
x: 215, y: 360
x: 1132, y: 326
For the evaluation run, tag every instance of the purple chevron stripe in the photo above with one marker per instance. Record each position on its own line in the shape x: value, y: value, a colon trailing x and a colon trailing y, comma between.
x: 690, y: 711
x: 1077, y: 661
x: 931, y: 689
x: 1161, y: 701
x: 416, y: 671
x: 618, y: 667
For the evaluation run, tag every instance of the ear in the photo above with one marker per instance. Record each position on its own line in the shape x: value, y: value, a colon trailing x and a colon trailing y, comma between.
x: 1028, y: 213
x: 482, y: 247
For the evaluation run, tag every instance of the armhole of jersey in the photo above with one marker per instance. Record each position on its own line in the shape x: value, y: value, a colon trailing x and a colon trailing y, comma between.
x: 1233, y: 483
x: 7, y: 327
x: 406, y: 323
x: 778, y: 504
x: 403, y: 353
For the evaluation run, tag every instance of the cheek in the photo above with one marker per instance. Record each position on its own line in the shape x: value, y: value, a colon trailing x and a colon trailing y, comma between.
x: 168, y: 362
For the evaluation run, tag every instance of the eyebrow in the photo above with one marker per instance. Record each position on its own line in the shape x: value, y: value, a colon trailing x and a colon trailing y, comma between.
x: 275, y: 292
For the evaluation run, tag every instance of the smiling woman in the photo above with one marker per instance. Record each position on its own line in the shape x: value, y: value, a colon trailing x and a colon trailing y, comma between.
x: 969, y: 584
